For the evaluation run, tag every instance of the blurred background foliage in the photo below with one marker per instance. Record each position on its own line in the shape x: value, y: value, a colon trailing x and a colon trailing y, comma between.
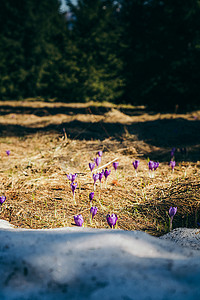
x: 130, y: 51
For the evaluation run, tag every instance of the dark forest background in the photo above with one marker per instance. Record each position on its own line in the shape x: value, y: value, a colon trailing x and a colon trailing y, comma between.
x: 128, y: 51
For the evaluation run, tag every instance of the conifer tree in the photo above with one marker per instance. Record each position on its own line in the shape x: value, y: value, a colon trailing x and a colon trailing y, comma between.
x: 96, y: 34
x: 30, y: 34
x: 162, y: 53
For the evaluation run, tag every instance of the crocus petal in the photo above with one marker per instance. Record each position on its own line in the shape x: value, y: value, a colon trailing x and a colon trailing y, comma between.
x: 73, y: 177
x: 69, y: 176
x: 73, y: 186
x: 151, y: 165
x: 155, y: 165
x: 78, y: 219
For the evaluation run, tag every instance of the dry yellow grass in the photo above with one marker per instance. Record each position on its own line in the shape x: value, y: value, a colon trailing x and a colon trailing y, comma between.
x: 33, y: 176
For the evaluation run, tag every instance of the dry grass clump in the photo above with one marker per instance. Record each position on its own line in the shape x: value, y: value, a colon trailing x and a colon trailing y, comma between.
x: 33, y: 178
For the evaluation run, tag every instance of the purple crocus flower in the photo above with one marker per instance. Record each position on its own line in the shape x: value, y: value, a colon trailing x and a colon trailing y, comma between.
x: 112, y: 220
x: 155, y: 165
x: 91, y: 196
x: 100, y: 153
x: 97, y: 160
x: 172, y: 212
x: 172, y: 164
x: 136, y: 164
x: 73, y: 186
x: 93, y: 211
x: 2, y: 199
x: 151, y: 165
x: 115, y: 165
x: 72, y: 177
x: 100, y: 177
x: 95, y: 178
x: 78, y: 219
x: 107, y: 173
x: 8, y: 152
x: 91, y: 166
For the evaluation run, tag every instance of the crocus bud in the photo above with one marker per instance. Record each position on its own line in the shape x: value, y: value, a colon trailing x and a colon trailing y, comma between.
x: 2, y: 199
x: 100, y: 176
x: 151, y: 165
x: 112, y: 220
x: 136, y: 164
x: 172, y: 211
x: 91, y: 166
x: 115, y: 165
x: 95, y: 177
x: 100, y: 153
x: 172, y: 164
x: 93, y: 211
x: 91, y: 196
x: 78, y: 219
x: 97, y: 161
x: 106, y: 173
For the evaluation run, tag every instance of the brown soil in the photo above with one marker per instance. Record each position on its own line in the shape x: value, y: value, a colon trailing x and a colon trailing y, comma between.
x: 33, y: 176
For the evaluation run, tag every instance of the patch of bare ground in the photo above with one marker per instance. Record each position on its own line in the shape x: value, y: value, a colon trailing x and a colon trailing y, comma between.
x: 33, y: 176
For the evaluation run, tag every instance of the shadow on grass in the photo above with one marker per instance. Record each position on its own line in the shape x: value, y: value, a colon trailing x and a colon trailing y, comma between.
x: 67, y: 110
x: 162, y: 133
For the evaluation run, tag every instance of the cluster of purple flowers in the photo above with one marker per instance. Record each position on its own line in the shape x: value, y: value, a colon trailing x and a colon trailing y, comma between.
x: 99, y: 176
x: 111, y: 219
x: 153, y: 165
x: 97, y: 161
x: 72, y: 178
